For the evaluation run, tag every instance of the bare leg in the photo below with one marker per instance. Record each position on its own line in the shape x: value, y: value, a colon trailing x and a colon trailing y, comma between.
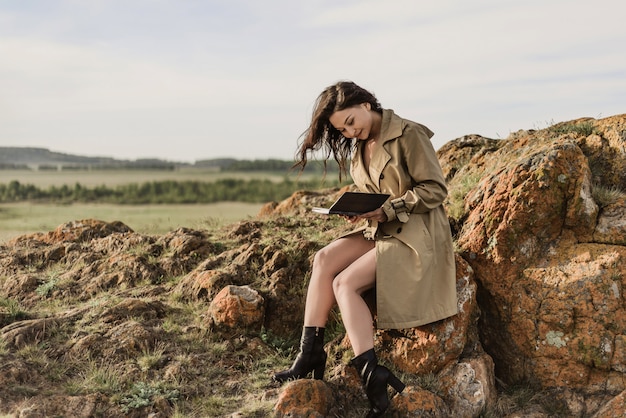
x: 341, y: 261
x: 327, y: 264
x: 348, y: 286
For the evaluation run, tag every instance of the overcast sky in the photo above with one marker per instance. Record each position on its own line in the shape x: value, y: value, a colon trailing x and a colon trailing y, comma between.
x: 185, y: 80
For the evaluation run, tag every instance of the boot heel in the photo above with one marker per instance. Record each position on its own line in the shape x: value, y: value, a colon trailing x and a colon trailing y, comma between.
x: 318, y: 369
x: 395, y: 383
x: 318, y: 372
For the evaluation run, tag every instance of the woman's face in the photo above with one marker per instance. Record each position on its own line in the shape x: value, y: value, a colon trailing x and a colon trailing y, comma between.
x: 354, y: 122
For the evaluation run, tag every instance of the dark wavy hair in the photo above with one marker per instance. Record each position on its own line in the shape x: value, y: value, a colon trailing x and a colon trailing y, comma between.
x: 321, y: 135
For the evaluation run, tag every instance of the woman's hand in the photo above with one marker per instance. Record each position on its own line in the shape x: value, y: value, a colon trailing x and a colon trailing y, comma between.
x: 378, y: 215
x: 351, y: 219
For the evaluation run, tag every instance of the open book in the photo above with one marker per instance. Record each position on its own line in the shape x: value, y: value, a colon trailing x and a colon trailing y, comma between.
x: 354, y: 203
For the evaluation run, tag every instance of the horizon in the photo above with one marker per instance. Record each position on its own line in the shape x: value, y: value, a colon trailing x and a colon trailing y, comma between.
x: 187, y: 81
x: 25, y: 147
x: 239, y: 158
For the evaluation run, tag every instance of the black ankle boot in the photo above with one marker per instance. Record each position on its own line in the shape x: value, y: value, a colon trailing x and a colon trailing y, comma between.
x: 375, y: 379
x: 311, y: 358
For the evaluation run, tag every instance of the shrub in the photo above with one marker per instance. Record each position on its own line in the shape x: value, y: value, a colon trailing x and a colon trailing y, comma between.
x: 144, y: 394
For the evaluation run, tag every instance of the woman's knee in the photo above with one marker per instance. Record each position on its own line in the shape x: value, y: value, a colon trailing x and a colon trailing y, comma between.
x: 341, y: 285
x: 322, y: 259
x: 337, y: 286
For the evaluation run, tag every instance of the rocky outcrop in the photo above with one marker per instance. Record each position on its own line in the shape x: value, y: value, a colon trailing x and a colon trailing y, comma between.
x: 548, y: 247
x: 430, y: 348
x: 464, y: 385
x: 98, y: 320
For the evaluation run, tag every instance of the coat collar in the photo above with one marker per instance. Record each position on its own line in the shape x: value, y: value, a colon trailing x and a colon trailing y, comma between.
x: 391, y: 128
x: 391, y: 125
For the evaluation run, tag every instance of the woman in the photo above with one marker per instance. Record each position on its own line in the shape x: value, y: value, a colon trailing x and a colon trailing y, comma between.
x: 405, y: 251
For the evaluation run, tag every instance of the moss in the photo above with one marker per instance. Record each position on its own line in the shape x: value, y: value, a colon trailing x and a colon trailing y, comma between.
x: 594, y: 356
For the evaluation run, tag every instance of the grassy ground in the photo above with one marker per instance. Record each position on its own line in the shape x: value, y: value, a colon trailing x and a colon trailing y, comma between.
x: 25, y: 218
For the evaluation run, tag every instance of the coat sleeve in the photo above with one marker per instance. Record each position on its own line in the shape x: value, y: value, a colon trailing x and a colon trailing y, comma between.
x: 421, y: 163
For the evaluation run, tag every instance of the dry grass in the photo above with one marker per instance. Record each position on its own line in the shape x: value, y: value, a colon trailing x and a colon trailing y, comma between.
x: 459, y: 188
x: 607, y: 195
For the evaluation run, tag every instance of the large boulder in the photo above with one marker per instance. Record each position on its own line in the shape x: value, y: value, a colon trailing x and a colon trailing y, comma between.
x: 548, y: 252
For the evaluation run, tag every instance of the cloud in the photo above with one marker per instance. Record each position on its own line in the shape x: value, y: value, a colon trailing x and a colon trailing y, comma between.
x: 194, y: 79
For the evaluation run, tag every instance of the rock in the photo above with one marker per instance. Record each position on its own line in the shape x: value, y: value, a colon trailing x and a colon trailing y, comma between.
x: 277, y: 260
x: 611, y: 226
x: 418, y: 402
x: 455, y: 155
x: 604, y: 148
x: 468, y: 386
x: 548, y: 260
x: 304, y: 398
x: 615, y: 408
x: 483, y: 367
x: 429, y: 348
x: 237, y: 307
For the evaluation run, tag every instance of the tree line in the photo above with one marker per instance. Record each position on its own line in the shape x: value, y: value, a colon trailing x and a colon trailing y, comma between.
x: 280, y: 166
x: 161, y: 192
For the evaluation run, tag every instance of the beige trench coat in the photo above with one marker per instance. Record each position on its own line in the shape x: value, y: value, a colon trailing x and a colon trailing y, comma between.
x: 415, y: 267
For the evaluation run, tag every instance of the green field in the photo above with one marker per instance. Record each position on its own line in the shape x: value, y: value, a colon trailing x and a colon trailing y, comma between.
x: 28, y: 217
x: 25, y: 218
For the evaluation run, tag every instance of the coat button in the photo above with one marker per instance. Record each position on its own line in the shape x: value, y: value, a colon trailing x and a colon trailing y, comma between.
x: 399, y: 230
x: 382, y: 176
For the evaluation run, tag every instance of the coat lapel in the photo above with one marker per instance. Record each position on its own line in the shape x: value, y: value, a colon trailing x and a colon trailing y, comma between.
x: 359, y: 175
x: 391, y: 128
